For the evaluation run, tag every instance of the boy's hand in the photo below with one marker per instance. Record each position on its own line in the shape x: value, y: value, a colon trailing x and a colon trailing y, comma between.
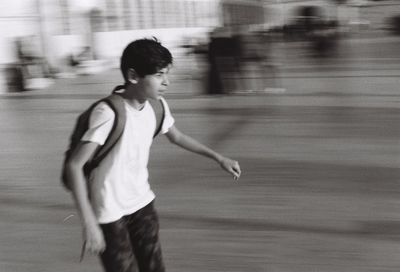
x: 231, y: 166
x: 93, y: 239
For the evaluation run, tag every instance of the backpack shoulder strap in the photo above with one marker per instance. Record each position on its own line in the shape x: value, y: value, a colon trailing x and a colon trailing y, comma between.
x: 159, y: 110
x: 116, y: 103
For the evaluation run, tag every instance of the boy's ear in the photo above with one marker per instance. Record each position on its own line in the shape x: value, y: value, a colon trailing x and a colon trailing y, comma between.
x: 133, y: 77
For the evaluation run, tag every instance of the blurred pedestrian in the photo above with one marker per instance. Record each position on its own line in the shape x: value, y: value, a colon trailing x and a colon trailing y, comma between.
x: 224, y: 62
x: 31, y: 62
x: 119, y: 219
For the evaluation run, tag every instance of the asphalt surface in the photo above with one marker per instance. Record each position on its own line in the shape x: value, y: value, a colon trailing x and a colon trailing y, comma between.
x: 319, y: 189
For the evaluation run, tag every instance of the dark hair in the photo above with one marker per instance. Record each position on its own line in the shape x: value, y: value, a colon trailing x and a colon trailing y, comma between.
x: 145, y: 56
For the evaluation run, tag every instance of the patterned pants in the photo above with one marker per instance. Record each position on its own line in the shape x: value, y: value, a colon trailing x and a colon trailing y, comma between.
x: 133, y: 237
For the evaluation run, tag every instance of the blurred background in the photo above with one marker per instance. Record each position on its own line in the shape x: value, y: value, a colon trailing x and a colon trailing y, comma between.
x: 304, y: 93
x: 236, y: 46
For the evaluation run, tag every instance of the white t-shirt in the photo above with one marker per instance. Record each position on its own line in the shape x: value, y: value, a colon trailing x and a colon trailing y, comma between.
x: 119, y: 185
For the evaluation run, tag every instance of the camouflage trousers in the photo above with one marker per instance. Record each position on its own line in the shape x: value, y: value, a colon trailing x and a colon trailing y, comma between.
x: 132, y: 243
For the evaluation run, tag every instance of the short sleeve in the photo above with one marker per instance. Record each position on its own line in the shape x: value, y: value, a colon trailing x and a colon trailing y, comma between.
x: 169, y: 119
x: 100, y: 124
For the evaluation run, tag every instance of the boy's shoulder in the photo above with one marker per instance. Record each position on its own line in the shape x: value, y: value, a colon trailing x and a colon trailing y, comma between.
x: 103, y: 107
x: 159, y: 106
x: 163, y: 101
x: 108, y: 109
x: 160, y: 102
x: 110, y: 105
x: 102, y: 112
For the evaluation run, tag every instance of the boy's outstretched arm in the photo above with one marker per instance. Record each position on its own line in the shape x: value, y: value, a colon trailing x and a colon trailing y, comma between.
x: 177, y: 137
x: 92, y: 233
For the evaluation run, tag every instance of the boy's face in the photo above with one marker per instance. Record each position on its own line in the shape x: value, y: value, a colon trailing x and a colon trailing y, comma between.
x: 154, y: 85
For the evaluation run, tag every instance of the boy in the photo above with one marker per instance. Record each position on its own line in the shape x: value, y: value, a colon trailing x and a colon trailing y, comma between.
x: 119, y: 220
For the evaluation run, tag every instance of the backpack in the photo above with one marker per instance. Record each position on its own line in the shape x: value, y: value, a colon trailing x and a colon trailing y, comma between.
x: 116, y: 103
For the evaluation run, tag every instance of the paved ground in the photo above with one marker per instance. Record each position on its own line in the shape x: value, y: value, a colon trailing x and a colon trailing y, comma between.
x: 319, y: 190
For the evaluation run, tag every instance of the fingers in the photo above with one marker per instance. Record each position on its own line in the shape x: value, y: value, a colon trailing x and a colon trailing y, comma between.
x: 232, y: 167
x: 95, y: 248
x: 236, y: 172
x: 92, y: 247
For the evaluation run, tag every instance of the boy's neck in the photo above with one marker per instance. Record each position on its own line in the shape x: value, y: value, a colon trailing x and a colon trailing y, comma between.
x: 132, y: 98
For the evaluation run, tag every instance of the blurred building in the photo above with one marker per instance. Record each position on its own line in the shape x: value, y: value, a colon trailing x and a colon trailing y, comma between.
x: 60, y: 25
x: 58, y: 28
